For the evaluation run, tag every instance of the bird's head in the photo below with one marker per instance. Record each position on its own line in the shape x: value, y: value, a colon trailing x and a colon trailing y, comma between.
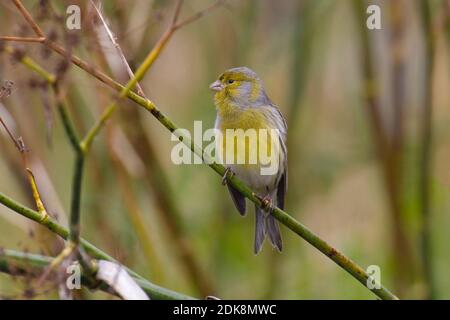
x: 241, y: 86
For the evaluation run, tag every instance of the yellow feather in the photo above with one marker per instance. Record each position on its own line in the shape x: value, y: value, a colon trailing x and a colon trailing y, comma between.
x: 233, y: 117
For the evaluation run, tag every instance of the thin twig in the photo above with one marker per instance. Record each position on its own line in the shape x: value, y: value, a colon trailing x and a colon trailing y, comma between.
x: 29, y: 18
x: 199, y: 14
x: 113, y: 40
x: 56, y: 262
x: 32, y: 65
x: 22, y: 39
x: 20, y: 146
x: 14, y: 140
x: 176, y: 14
x: 148, y: 62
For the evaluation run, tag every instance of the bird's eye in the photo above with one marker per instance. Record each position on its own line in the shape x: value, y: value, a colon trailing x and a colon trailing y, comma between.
x: 230, y: 81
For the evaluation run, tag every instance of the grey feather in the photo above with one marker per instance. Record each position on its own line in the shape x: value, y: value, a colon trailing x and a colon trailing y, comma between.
x: 260, y: 229
x: 281, y: 191
x: 273, y: 231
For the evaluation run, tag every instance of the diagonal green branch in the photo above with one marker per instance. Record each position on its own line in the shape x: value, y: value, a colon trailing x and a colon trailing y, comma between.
x: 50, y: 224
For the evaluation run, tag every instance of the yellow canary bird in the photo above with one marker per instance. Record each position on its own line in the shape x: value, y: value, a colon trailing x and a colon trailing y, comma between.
x: 242, y: 104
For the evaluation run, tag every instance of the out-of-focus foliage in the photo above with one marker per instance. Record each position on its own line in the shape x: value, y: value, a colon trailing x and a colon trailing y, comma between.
x: 308, y: 52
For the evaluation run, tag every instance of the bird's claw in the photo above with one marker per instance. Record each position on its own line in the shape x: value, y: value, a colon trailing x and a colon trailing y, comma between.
x: 225, y: 175
x: 267, y: 204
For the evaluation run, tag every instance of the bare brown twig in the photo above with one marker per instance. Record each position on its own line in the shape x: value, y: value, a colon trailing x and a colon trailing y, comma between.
x: 22, y: 39
x: 198, y: 15
x: 29, y: 18
x: 117, y: 46
x: 177, y: 12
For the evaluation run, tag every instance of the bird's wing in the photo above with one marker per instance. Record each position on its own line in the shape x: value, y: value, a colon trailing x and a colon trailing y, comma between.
x: 238, y: 199
x: 283, y: 174
x: 281, y: 190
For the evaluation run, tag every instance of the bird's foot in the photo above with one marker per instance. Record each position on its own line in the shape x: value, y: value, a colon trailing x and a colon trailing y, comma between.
x: 226, y: 175
x: 267, y: 204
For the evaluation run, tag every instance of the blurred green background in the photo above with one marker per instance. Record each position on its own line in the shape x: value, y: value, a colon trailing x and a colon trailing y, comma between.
x: 176, y: 225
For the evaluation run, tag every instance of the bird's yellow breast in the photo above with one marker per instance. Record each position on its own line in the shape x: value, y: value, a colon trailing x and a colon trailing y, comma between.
x: 248, y: 144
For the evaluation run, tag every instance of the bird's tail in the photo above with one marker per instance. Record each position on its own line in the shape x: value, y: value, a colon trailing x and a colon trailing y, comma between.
x: 274, y: 232
x: 266, y: 224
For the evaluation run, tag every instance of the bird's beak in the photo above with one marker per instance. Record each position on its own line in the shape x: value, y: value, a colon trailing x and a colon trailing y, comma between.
x: 216, y: 86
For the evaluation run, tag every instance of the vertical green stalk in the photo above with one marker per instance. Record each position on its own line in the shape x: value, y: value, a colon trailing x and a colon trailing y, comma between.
x: 74, y: 227
x: 74, y: 235
x: 425, y: 168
